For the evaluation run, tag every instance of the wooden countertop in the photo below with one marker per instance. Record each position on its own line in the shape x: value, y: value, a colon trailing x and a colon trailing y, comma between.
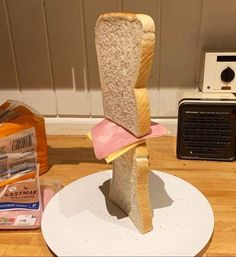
x: 72, y: 157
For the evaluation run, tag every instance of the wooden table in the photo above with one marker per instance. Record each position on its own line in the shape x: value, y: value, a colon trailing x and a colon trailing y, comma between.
x: 72, y: 157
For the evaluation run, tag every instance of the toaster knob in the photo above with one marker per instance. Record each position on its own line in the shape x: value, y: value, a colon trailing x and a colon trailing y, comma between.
x: 227, y: 75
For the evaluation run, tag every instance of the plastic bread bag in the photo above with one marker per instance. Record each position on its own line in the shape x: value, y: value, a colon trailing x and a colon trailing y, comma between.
x: 20, y: 200
x: 22, y: 139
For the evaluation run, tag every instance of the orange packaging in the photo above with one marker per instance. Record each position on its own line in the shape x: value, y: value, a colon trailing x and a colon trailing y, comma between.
x: 23, y: 142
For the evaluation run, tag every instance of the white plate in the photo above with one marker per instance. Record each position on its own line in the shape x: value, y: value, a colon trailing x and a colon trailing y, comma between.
x: 80, y: 221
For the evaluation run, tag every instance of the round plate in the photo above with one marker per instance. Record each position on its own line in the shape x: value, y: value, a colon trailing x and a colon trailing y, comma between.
x: 81, y: 221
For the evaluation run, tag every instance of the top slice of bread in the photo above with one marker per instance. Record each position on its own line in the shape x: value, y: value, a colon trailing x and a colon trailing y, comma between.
x: 125, y: 46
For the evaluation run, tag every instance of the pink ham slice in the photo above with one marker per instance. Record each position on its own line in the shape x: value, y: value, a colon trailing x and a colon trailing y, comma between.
x: 108, y: 137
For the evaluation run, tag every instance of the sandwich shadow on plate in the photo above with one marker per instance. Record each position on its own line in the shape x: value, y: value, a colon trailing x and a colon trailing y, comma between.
x: 158, y: 196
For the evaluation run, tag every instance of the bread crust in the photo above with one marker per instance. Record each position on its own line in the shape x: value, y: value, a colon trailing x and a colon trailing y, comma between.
x: 147, y: 51
x: 146, y: 21
x: 129, y: 187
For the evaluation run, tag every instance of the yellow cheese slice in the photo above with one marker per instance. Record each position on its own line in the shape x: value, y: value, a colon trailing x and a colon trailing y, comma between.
x: 89, y: 135
x: 111, y: 157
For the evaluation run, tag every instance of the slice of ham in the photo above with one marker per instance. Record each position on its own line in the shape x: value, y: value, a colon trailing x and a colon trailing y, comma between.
x: 108, y: 137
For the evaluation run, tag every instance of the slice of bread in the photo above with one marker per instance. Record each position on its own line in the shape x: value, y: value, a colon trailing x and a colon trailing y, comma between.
x: 125, y: 46
x: 129, y: 187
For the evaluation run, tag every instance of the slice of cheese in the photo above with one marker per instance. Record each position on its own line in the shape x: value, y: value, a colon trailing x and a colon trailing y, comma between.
x: 111, y: 157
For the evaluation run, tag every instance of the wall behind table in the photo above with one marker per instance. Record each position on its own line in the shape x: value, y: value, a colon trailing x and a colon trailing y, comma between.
x: 48, y: 58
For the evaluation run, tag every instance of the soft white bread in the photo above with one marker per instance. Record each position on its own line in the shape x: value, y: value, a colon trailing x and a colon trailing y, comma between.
x: 125, y: 45
x: 129, y: 187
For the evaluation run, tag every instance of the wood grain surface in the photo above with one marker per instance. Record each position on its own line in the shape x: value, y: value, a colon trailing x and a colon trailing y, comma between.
x: 72, y: 157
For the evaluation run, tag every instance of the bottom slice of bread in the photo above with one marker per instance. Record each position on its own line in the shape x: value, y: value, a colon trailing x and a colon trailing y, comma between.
x: 129, y: 187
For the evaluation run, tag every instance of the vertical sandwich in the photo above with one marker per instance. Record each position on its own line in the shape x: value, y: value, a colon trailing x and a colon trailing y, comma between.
x: 125, y: 46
